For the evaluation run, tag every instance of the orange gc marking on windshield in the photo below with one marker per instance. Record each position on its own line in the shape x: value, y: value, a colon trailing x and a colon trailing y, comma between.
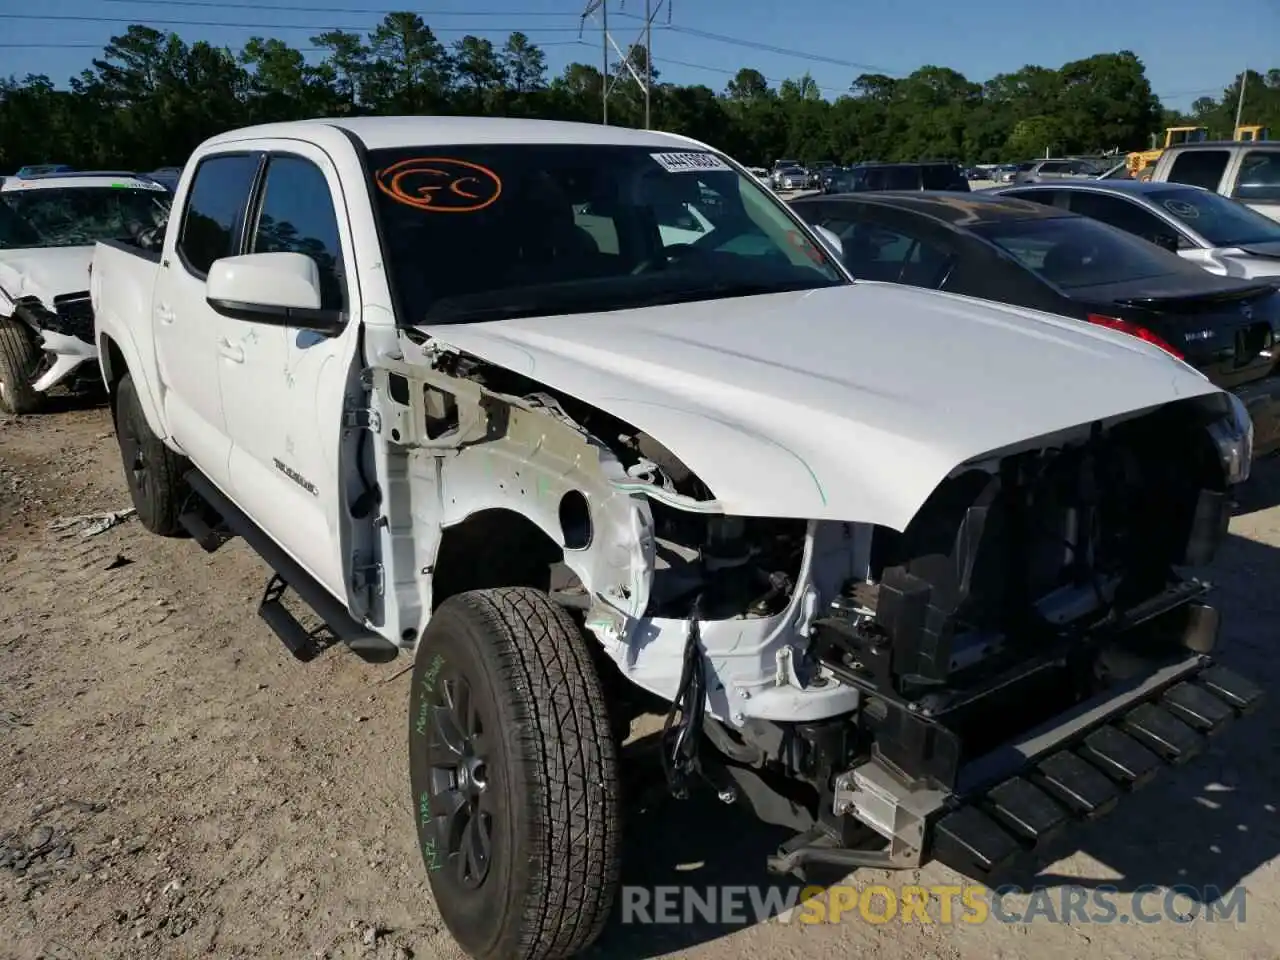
x: 440, y: 184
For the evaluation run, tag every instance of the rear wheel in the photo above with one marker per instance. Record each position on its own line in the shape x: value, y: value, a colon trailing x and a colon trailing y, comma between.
x: 515, y: 776
x: 153, y: 472
x: 19, y: 359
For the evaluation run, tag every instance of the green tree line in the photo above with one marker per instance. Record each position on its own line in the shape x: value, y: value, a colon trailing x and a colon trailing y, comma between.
x: 151, y: 97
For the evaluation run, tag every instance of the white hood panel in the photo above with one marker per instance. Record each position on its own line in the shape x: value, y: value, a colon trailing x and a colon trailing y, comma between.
x: 44, y: 273
x: 849, y: 403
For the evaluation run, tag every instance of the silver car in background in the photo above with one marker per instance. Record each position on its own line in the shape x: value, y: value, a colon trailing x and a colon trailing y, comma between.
x: 1219, y: 234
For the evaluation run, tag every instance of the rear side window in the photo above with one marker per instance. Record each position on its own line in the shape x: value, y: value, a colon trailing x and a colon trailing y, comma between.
x: 215, y: 207
x: 943, y: 176
x: 1075, y: 252
x: 1200, y: 168
x: 1259, y: 177
x: 297, y: 216
x: 874, y: 252
x: 1123, y: 215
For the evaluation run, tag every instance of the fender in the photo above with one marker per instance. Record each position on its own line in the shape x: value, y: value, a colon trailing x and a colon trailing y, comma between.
x: 117, y: 336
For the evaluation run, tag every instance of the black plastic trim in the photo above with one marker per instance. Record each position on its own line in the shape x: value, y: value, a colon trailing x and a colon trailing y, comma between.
x: 328, y: 607
x: 302, y: 318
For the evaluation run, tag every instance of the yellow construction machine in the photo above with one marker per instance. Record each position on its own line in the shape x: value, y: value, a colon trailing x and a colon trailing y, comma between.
x: 1139, y: 160
x: 1252, y: 132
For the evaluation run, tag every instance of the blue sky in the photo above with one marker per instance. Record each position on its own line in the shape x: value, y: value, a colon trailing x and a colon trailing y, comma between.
x: 1191, y: 48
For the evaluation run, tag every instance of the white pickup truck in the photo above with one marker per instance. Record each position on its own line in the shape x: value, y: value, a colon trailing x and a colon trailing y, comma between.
x: 900, y: 567
x: 1245, y: 170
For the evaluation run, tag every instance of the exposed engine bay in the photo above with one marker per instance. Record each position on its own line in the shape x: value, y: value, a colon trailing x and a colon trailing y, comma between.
x: 791, y: 654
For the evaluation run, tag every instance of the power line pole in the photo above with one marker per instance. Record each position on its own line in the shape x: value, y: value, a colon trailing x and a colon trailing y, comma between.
x: 604, y: 62
x: 602, y: 6
x: 1244, y: 78
x: 648, y: 60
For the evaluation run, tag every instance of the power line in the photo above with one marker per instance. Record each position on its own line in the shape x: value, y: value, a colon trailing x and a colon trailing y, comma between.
x: 356, y: 10
x: 99, y: 46
x: 270, y: 26
x: 770, y: 48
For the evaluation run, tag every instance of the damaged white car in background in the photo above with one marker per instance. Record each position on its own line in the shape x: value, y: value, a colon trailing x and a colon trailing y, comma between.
x: 48, y: 227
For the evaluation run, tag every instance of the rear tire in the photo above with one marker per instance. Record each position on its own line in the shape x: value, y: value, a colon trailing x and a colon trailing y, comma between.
x: 153, y: 472
x: 511, y: 757
x: 19, y: 358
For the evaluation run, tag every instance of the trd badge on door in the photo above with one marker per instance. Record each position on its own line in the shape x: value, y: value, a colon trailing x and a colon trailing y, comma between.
x: 296, y: 477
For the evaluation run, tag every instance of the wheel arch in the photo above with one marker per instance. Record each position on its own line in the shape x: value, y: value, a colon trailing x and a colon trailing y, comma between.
x: 118, y: 357
x: 493, y: 547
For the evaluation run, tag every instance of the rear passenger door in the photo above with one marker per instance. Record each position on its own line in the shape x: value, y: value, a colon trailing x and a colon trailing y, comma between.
x: 283, y: 387
x: 188, y: 333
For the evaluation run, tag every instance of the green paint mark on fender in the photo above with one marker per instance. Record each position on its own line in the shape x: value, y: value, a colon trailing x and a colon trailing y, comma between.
x: 424, y: 808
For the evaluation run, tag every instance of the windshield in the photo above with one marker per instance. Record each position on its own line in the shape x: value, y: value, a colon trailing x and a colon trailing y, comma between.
x: 501, y: 231
x: 1073, y: 252
x: 77, y: 216
x: 1223, y: 222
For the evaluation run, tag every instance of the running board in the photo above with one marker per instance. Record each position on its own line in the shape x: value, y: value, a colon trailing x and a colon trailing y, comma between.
x: 289, y: 574
x: 1084, y: 768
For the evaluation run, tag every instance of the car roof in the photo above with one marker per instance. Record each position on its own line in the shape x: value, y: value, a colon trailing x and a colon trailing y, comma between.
x: 1132, y: 187
x: 1224, y: 144
x: 378, y: 133
x: 907, y: 163
x: 81, y: 178
x: 964, y: 209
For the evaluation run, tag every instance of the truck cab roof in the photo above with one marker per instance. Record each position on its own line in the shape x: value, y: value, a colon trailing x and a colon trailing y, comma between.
x: 375, y: 133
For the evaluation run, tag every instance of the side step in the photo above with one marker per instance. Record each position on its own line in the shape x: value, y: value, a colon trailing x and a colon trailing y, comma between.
x: 304, y: 645
x: 1089, y: 769
x: 210, y: 536
x: 363, y: 642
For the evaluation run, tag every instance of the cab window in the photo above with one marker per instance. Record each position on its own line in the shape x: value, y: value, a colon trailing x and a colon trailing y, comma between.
x: 296, y: 215
x: 215, y: 208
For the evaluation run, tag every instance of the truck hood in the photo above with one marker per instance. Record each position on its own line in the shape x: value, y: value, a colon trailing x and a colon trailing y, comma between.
x: 44, y: 273
x: 846, y: 403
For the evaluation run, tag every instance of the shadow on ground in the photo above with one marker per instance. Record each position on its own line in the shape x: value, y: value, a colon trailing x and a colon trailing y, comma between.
x: 67, y: 401
x: 1203, y: 828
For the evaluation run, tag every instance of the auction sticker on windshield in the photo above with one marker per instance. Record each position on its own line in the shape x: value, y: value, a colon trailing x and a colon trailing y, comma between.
x: 689, y: 162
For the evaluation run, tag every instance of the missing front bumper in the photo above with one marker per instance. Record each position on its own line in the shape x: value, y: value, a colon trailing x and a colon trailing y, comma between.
x: 1018, y: 797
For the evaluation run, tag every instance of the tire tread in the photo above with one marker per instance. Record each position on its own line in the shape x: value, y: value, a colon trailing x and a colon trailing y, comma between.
x: 17, y: 350
x: 564, y: 721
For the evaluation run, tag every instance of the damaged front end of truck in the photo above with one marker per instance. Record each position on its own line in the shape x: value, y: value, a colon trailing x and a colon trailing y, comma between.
x: 1022, y: 653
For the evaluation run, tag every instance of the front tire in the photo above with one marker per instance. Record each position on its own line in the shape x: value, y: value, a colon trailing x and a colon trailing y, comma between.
x: 19, y: 358
x: 153, y: 472
x: 515, y: 776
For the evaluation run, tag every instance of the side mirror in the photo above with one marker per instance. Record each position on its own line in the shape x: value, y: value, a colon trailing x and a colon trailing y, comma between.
x: 832, y: 241
x: 282, y: 289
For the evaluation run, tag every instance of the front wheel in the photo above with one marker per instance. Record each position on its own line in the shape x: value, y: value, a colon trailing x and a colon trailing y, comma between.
x: 515, y: 776
x: 19, y: 359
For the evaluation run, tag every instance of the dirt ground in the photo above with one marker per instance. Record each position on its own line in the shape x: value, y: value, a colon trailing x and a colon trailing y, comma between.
x: 173, y: 784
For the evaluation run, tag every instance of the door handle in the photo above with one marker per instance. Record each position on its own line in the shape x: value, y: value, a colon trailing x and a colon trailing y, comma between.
x: 230, y: 351
x: 164, y: 314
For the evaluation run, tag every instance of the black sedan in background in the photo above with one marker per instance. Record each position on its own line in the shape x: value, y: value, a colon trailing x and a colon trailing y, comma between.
x: 1043, y: 258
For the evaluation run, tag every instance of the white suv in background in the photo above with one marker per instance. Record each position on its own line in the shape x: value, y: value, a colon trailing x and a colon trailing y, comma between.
x: 48, y: 226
